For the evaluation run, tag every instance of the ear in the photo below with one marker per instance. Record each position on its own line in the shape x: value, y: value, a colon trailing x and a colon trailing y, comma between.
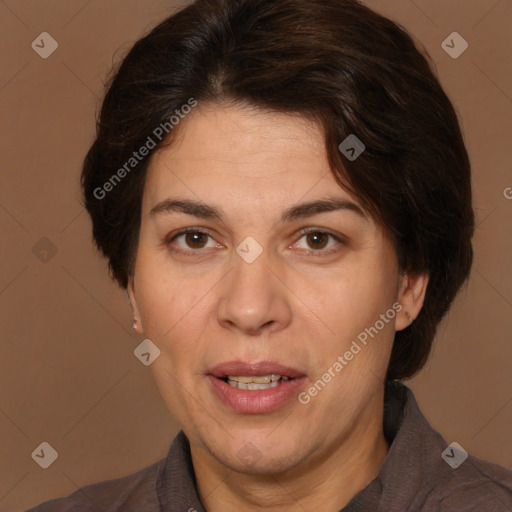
x: 411, y: 295
x: 137, y: 324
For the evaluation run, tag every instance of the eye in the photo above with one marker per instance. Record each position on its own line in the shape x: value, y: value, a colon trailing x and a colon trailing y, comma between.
x: 196, y: 239
x: 318, y: 239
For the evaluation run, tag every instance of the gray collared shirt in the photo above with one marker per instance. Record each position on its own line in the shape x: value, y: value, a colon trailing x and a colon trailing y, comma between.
x: 414, y: 476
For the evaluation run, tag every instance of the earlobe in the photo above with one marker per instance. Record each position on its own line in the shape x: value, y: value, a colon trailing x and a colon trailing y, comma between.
x: 413, y: 288
x: 130, y: 290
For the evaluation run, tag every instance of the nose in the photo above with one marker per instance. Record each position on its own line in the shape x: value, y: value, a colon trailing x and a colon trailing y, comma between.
x: 253, y: 297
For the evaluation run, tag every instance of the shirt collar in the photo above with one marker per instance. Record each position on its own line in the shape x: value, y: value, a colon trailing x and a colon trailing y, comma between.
x: 401, y: 476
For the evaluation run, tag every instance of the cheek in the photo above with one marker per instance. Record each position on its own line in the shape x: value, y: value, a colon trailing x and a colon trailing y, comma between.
x: 352, y: 302
x: 159, y: 293
x: 175, y: 319
x: 168, y: 315
x: 358, y: 294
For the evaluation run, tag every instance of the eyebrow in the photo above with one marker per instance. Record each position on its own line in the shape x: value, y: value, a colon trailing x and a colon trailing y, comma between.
x: 298, y: 211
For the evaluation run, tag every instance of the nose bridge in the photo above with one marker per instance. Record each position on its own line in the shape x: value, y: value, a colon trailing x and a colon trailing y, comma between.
x: 252, y: 296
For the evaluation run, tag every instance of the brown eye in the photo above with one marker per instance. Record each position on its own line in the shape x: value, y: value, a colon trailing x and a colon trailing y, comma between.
x: 190, y: 241
x: 317, y: 242
x: 317, y: 239
x: 195, y: 239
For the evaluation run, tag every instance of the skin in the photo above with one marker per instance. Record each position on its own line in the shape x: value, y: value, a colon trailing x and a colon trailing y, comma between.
x: 293, y: 304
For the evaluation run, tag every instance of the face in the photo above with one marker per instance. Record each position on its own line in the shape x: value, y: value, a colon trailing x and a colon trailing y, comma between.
x: 260, y: 287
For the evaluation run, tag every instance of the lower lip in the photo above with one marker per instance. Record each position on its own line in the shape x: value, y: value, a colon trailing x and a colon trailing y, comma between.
x: 257, y: 401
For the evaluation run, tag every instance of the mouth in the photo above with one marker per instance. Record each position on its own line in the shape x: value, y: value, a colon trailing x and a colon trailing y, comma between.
x: 255, y: 387
x: 255, y: 383
x: 263, y: 372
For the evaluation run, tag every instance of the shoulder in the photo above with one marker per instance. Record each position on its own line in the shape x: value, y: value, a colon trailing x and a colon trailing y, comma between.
x: 127, y: 493
x: 431, y: 475
x: 476, y: 485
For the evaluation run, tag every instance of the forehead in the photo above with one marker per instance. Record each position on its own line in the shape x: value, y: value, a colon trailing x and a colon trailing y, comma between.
x: 242, y: 150
x: 244, y: 132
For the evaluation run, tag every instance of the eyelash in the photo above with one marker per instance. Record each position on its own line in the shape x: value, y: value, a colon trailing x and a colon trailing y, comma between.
x: 197, y: 252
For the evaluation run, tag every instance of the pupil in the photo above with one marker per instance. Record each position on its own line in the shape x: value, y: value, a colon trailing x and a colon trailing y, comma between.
x: 316, y: 236
x: 193, y: 238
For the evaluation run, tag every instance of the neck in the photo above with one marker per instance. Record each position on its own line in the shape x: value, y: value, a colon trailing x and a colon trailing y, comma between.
x: 325, y: 481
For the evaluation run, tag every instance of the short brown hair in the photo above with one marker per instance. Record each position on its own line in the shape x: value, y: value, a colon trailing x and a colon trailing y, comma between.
x: 335, y: 61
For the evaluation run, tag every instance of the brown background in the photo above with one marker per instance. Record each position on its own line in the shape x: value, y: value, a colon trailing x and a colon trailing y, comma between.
x: 69, y: 376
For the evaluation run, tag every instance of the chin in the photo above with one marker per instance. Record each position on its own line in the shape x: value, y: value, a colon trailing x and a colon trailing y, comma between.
x: 263, y: 464
x: 258, y: 454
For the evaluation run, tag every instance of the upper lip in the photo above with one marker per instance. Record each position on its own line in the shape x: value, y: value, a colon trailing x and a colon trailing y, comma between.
x: 240, y: 368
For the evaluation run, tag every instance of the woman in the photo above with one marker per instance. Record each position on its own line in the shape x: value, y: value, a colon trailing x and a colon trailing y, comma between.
x: 283, y: 189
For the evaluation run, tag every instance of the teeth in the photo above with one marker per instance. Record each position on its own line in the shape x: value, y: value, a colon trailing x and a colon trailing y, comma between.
x: 255, y: 383
x: 252, y: 386
x: 260, y: 379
